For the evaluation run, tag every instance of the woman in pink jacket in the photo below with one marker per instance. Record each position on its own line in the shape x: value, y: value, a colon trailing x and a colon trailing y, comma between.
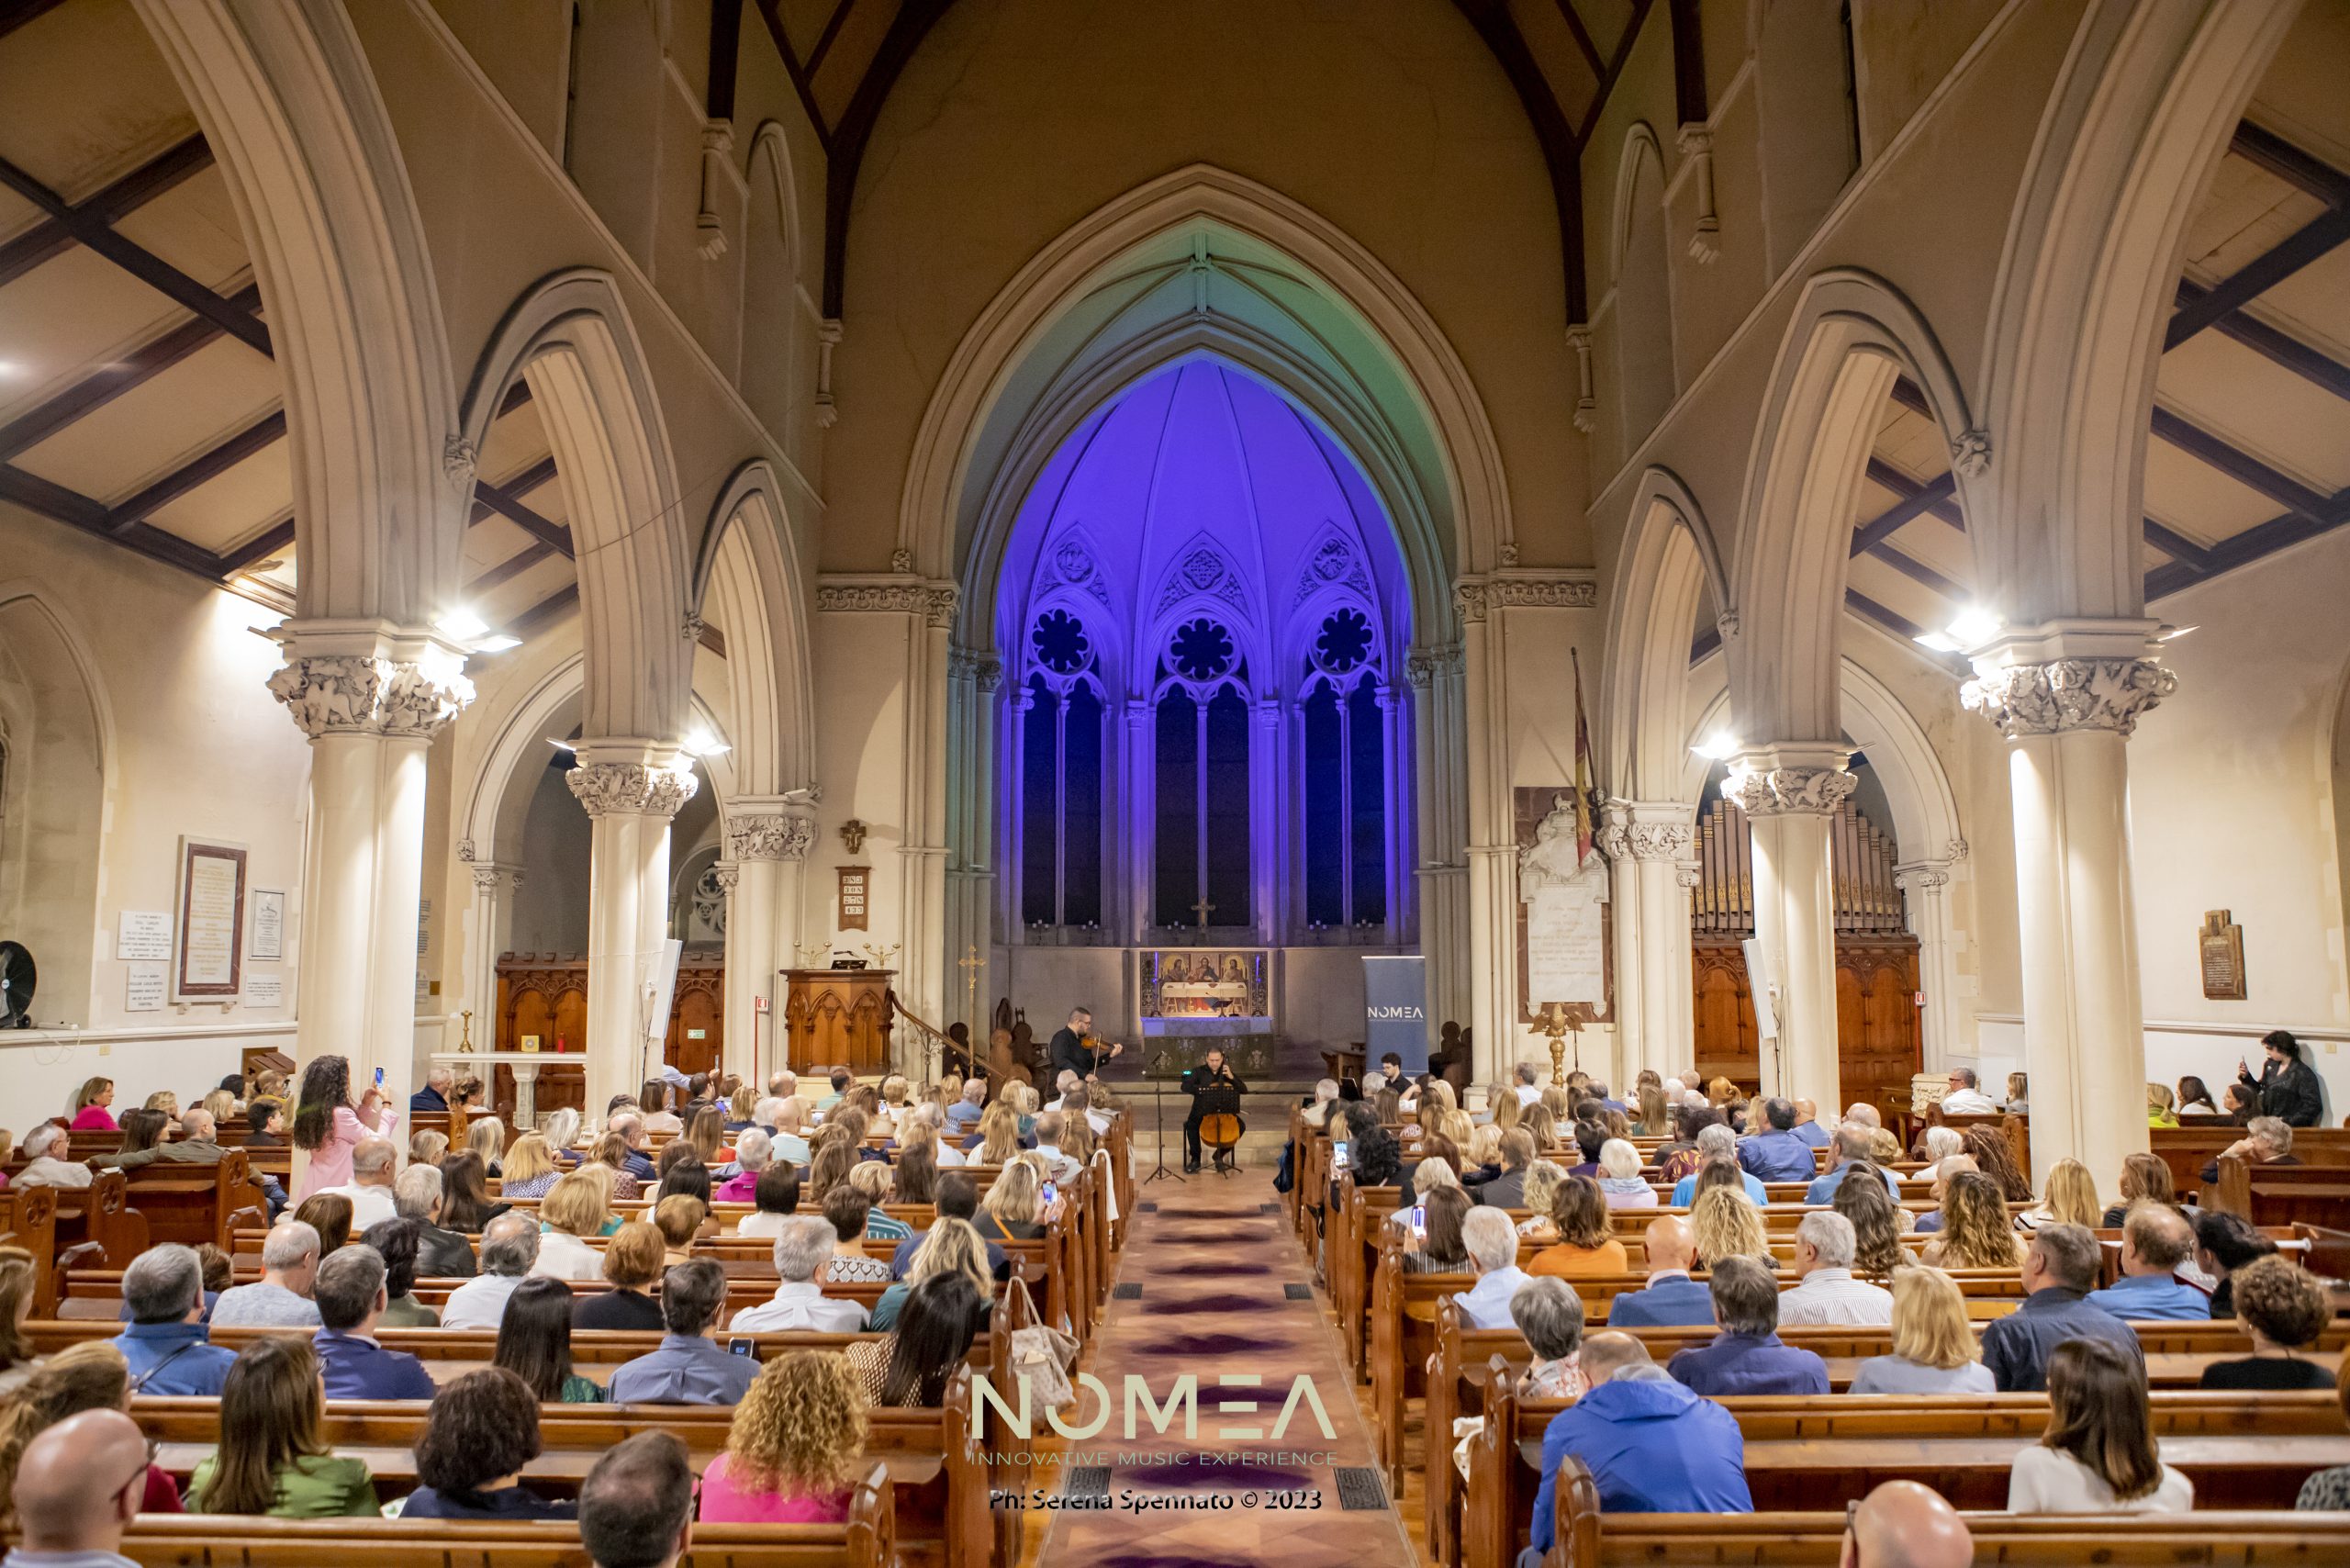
x: 325, y: 1125
x: 90, y: 1113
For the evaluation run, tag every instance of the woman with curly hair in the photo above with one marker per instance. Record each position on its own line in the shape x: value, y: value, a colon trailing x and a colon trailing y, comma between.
x: 478, y: 1434
x: 1876, y: 1227
x: 1726, y: 1224
x: 2284, y: 1309
x: 91, y: 1375
x: 1579, y: 1210
x: 273, y: 1457
x: 1995, y: 1157
x: 1977, y: 1232
x: 326, y: 1124
x: 796, y: 1447
x: 1543, y: 1179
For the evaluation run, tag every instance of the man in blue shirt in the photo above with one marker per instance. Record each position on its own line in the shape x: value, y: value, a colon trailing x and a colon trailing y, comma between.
x: 1808, y: 1125
x: 1671, y: 1299
x: 1775, y: 1154
x: 688, y: 1368
x: 349, y: 1292
x: 1851, y: 1145
x: 167, y: 1347
x: 630, y: 1127
x: 434, y: 1095
x: 2057, y: 1273
x: 2156, y: 1239
x: 1747, y: 1358
x: 1716, y: 1142
x: 1651, y: 1446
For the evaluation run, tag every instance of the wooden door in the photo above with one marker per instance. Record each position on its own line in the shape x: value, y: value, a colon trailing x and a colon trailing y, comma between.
x: 1877, y: 1027
x: 697, y: 1025
x: 1727, y: 1045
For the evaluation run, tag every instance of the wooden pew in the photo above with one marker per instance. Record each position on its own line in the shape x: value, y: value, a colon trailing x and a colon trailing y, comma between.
x: 938, y: 1471
x: 175, y: 1541
x: 2282, y: 1195
x: 2242, y: 1451
x: 28, y: 1221
x: 2186, y: 1149
x: 100, y: 1216
x: 1466, y: 1360
x: 2244, y: 1539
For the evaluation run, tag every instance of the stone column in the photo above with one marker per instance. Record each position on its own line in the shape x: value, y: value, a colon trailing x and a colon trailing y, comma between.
x: 1926, y: 887
x: 2067, y: 696
x: 490, y: 932
x: 631, y: 791
x: 371, y: 697
x: 1269, y: 812
x: 1138, y: 768
x: 1439, y: 808
x: 1649, y: 846
x: 1789, y: 791
x: 767, y: 846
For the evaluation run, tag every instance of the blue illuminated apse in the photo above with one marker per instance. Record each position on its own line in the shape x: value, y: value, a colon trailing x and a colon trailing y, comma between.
x: 1203, y: 619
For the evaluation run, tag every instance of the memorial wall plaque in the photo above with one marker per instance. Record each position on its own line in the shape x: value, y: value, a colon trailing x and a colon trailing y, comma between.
x: 209, y: 961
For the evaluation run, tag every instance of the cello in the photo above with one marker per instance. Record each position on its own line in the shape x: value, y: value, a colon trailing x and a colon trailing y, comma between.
x: 1220, y: 1132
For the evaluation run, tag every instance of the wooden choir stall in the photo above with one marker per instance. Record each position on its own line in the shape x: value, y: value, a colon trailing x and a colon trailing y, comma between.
x: 836, y: 1016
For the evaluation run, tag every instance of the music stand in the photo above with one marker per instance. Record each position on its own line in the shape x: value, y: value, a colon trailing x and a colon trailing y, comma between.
x: 1158, y: 1098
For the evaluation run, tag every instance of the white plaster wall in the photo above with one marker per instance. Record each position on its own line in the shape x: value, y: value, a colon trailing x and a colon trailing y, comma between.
x: 198, y: 747
x: 861, y: 660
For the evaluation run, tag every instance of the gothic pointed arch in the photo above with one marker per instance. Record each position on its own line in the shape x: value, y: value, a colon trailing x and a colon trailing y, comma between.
x: 1646, y: 378
x: 1668, y: 562
x: 748, y: 583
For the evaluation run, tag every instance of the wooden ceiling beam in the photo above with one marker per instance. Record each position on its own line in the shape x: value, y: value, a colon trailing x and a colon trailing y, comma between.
x: 139, y: 261
x: 2295, y: 165
x: 260, y: 547
x: 111, y: 381
x: 1583, y: 41
x: 513, y: 567
x: 1561, y: 153
x: 1616, y: 63
x: 1915, y: 501
x: 77, y: 510
x: 2280, y: 348
x: 2255, y: 543
x: 2314, y: 238
x: 2218, y: 453
x: 545, y: 531
x: 2177, y: 545
x: 111, y: 205
x: 15, y: 14
x: 772, y: 15
x: 199, y: 470
x: 1918, y: 572
x: 824, y: 39
x: 845, y: 150
x: 543, y: 613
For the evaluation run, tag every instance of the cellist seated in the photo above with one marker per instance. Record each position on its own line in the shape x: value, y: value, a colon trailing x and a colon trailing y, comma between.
x: 1213, y: 1074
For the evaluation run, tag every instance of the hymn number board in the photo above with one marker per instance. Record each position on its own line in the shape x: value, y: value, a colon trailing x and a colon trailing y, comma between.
x: 855, y: 885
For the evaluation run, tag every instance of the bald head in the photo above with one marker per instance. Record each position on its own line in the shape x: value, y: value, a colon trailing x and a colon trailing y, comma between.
x: 1604, y: 1355
x: 1904, y: 1525
x: 1671, y: 1243
x: 1806, y: 1111
x: 80, y: 1482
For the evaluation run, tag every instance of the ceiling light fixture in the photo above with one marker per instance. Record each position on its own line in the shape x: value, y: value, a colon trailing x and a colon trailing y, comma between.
x: 1970, y: 628
x: 1720, y: 748
x: 461, y: 625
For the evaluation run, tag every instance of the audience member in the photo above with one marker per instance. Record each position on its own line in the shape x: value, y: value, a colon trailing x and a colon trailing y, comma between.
x: 45, y: 1163
x: 1826, y: 1290
x: 1491, y: 1241
x: 90, y: 1107
x: 2267, y: 1140
x: 754, y: 1151
x: 1012, y: 1209
x: 328, y: 1214
x: 1933, y: 1343
x: 1877, y: 1222
x: 2058, y: 1270
x: 1717, y: 1143
x: 147, y: 1140
x: 1904, y: 1524
x: 1851, y: 1147
x: 326, y: 1124
x: 2195, y: 1099
x: 370, y: 1186
x: 479, y: 1433
x: 2154, y: 1242
x: 1967, y: 1097
x: 466, y: 1203
x: 2098, y: 1454
x: 1977, y: 1230
x: 1774, y: 1153
x: 1726, y: 1224
x: 427, y: 1146
x: 1579, y: 1213
x: 1550, y: 1313
x: 1652, y: 1446
x: 273, y: 1458
x: 2068, y: 1198
x: 777, y: 1199
x: 166, y: 1346
x: 2330, y: 1489
x: 949, y: 1246
x: 1441, y: 1249
x: 796, y: 1448
x: 2284, y: 1310
x: 266, y: 1124
x: 530, y: 1169
x: 1671, y: 1298
x: 574, y: 1209
x: 1995, y: 1157
x: 62, y: 1520
x: 534, y: 1342
x: 2225, y: 1243
x: 680, y: 1221
x: 1808, y: 1125
x: 2143, y: 1175
x: 281, y: 1297
x: 929, y: 1336
x: 441, y: 1254
x: 1621, y: 1186
x: 688, y: 1367
x: 2287, y: 1087
x: 434, y: 1095
x: 1747, y: 1357
x: 395, y: 1241
x: 509, y: 1245
x: 803, y: 1246
x: 18, y: 1280
x: 1507, y: 1191
x: 90, y: 1375
x: 636, y: 1505
x: 350, y: 1303
x: 634, y: 1260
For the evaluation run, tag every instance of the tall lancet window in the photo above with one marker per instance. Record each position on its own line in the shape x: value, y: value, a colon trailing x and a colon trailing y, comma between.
x: 1202, y: 829
x: 1061, y: 841
x: 1346, y: 776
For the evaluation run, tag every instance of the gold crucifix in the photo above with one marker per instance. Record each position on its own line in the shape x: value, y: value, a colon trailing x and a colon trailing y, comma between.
x: 1202, y: 909
x: 971, y: 966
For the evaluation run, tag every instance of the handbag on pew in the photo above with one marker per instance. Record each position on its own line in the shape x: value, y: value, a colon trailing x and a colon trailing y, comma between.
x: 1041, y: 1357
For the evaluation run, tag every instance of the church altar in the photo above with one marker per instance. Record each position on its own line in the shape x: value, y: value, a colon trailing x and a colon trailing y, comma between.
x: 1195, y: 999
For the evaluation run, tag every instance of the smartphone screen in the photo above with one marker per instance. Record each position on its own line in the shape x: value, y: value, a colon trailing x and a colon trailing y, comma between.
x: 379, y: 1077
x: 1339, y: 1155
x: 1419, y: 1219
x: 742, y: 1347
x: 1051, y: 1192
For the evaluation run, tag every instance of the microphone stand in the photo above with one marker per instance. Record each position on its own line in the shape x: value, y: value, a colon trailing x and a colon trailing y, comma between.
x: 1158, y: 1098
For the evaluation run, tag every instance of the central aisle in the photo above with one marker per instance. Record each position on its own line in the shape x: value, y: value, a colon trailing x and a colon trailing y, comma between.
x: 1226, y: 1293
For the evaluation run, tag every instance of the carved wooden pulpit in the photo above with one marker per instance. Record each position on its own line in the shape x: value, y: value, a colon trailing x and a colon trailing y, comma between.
x: 834, y: 1017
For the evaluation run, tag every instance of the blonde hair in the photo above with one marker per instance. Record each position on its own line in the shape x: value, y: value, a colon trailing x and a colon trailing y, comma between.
x: 635, y: 1255
x: 678, y: 1218
x: 580, y: 1204
x: 2070, y: 1196
x: 221, y: 1104
x: 1437, y: 1100
x: 2158, y: 1099
x: 1456, y: 1124
x: 1726, y: 1224
x: 1542, y: 1179
x: 427, y: 1146
x: 1015, y: 1195
x: 999, y: 1132
x: 1977, y: 1231
x: 1507, y: 1112
x: 893, y: 1089
x: 528, y: 1158
x: 486, y: 1135
x: 1430, y: 1174
x: 163, y: 1100
x: 1884, y: 1146
x: 871, y: 1177
x: 800, y: 1428
x: 952, y: 1246
x: 1930, y: 1323
x: 1485, y: 1147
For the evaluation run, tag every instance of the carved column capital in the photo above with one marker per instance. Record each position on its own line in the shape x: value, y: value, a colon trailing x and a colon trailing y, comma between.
x: 1641, y: 830
x: 1923, y: 876
x: 1688, y: 874
x: 648, y: 790
x: 1789, y: 781
x: 489, y: 876
x: 723, y: 875
x: 331, y: 694
x: 770, y: 836
x: 2062, y: 695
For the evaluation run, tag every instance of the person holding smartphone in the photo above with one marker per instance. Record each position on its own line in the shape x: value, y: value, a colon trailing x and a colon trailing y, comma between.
x: 325, y: 1125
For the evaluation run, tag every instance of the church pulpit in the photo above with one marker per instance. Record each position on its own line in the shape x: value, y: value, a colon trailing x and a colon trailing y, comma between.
x: 832, y: 1017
